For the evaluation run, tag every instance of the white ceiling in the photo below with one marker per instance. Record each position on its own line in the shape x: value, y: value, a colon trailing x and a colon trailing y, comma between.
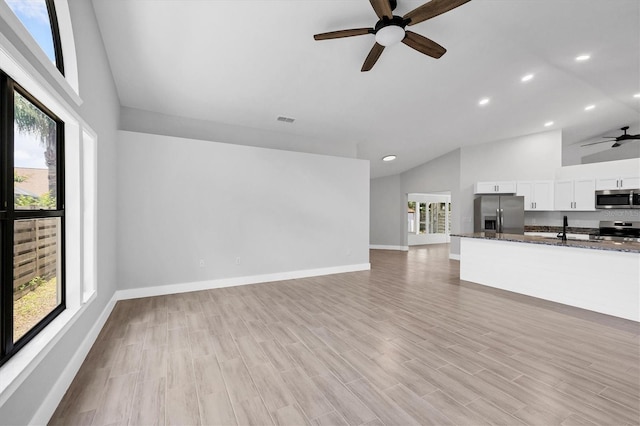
x: 247, y: 62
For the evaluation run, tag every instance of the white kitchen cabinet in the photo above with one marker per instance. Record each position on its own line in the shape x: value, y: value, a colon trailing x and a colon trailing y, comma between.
x: 538, y: 194
x: 629, y: 182
x: 495, y: 187
x: 575, y: 194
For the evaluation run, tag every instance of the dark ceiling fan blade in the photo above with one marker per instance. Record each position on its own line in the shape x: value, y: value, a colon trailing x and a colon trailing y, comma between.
x: 615, y: 145
x: 432, y: 9
x: 595, y: 143
x: 343, y: 33
x: 382, y: 8
x: 423, y: 44
x: 372, y: 57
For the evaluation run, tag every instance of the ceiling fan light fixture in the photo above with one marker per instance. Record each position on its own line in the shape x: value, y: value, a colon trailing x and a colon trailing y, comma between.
x: 389, y: 157
x: 390, y: 35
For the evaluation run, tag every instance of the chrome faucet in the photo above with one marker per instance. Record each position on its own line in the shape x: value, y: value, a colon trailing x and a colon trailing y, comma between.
x: 564, y: 228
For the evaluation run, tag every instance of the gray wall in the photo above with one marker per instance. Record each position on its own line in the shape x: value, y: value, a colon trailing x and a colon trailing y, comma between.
x: 100, y: 110
x: 184, y: 200
x: 388, y: 212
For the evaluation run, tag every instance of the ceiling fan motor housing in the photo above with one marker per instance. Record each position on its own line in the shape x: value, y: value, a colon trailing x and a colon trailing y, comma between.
x: 390, y: 31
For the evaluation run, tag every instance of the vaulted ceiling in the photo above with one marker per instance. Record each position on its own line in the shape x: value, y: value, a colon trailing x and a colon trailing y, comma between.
x: 244, y: 63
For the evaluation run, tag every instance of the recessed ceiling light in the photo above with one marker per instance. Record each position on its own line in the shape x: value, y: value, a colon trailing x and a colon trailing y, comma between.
x: 637, y: 95
x: 589, y: 107
x: 389, y: 158
x: 582, y: 58
x: 548, y: 123
x: 483, y: 101
x: 526, y: 78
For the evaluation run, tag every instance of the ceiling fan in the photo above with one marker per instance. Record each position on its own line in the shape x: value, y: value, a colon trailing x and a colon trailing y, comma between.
x: 619, y: 140
x: 390, y: 30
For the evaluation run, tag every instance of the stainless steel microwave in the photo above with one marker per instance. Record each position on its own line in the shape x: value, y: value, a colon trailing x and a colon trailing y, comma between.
x: 618, y: 199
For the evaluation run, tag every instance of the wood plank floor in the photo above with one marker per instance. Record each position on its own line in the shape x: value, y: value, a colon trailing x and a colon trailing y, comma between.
x: 403, y: 344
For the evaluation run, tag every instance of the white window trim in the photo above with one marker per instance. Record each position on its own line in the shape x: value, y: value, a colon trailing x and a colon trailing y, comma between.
x: 80, y: 212
x: 89, y: 191
x: 68, y: 82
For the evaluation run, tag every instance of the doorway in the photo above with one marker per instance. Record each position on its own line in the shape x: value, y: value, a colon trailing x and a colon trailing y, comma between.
x: 428, y: 218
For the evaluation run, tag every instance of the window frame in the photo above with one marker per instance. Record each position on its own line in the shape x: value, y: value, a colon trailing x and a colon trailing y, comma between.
x: 9, y: 215
x: 55, y: 32
x: 66, y: 84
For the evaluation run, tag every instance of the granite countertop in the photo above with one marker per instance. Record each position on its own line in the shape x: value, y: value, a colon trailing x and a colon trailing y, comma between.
x: 557, y: 229
x: 629, y: 247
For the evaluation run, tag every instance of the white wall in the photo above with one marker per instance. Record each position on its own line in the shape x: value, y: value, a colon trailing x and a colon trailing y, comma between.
x: 137, y: 120
x: 419, y: 239
x: 185, y: 200
x: 532, y: 157
x: 100, y: 110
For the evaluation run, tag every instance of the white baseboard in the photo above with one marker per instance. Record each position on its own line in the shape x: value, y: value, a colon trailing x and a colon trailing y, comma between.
x: 135, y: 293
x: 53, y: 398
x: 383, y: 247
x: 454, y: 256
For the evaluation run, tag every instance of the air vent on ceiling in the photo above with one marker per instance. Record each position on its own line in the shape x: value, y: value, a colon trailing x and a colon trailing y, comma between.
x: 286, y: 119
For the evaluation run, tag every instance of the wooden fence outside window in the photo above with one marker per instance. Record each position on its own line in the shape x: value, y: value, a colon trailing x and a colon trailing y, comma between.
x: 35, y: 253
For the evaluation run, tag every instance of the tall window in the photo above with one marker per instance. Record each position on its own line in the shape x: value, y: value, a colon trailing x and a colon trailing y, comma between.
x: 39, y: 18
x: 31, y: 217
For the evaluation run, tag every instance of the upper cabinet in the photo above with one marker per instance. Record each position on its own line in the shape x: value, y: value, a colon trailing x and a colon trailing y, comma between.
x: 631, y: 182
x: 501, y: 187
x: 538, y: 195
x: 575, y: 194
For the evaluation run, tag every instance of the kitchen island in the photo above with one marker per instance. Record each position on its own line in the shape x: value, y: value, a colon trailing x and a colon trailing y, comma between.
x: 600, y: 276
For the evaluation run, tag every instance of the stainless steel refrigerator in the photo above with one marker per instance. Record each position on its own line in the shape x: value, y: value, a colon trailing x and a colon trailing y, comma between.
x: 499, y: 213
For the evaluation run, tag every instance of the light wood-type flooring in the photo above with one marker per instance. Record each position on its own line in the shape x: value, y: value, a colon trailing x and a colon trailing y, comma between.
x: 403, y: 344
